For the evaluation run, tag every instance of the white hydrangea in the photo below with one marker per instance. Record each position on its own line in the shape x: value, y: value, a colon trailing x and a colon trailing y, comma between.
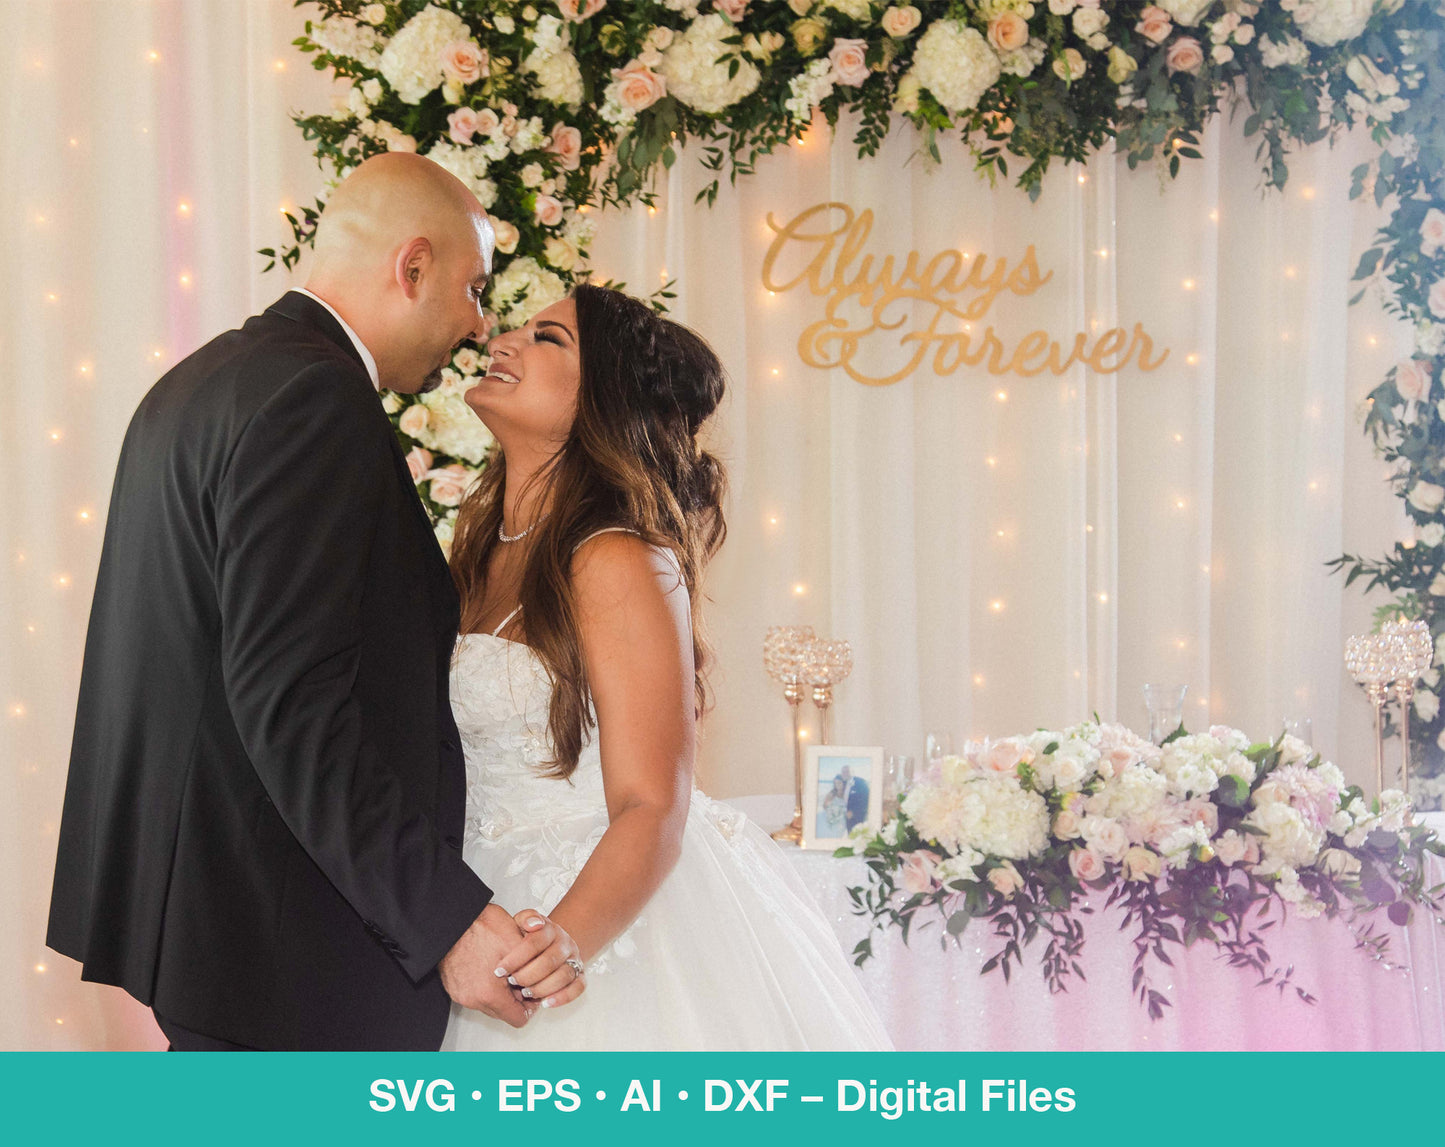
x: 1288, y: 838
x: 694, y: 70
x: 1186, y: 12
x: 556, y: 75
x: 578, y: 229
x: 1289, y: 53
x: 339, y: 36
x: 522, y: 289
x: 1023, y: 61
x: 1134, y: 797
x: 955, y: 63
x: 988, y: 813
x: 412, y: 62
x: 469, y: 164
x: 530, y: 135
x: 451, y: 427
x: 1330, y: 22
x: 809, y: 88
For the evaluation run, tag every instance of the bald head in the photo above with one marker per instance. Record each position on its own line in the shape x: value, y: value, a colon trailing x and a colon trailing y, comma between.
x: 390, y: 199
x: 404, y: 252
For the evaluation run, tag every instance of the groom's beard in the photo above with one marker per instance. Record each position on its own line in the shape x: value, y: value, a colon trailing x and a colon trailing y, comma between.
x: 431, y: 382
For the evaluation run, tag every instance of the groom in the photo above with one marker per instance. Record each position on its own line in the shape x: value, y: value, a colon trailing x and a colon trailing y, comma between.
x: 262, y: 828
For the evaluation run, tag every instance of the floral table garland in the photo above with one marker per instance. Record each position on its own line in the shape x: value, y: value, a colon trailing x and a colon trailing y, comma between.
x: 1203, y: 840
x: 549, y: 109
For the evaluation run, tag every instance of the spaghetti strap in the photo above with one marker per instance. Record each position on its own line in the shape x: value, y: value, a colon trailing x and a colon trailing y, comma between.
x: 578, y: 546
x: 604, y: 530
x: 503, y: 624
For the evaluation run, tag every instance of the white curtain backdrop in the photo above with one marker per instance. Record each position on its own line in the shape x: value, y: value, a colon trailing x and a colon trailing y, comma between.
x: 1003, y: 552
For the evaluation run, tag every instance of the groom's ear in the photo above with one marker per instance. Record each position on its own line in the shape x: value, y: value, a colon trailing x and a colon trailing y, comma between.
x: 413, y: 262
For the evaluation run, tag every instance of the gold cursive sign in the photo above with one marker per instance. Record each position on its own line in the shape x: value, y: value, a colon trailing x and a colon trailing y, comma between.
x: 949, y: 286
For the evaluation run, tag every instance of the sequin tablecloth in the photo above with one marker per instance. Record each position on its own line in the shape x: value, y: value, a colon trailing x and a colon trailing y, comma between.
x: 934, y: 999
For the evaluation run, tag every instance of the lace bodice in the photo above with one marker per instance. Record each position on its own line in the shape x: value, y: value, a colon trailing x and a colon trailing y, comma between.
x: 500, y: 696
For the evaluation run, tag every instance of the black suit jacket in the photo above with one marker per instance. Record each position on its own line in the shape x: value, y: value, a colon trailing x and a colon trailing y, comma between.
x: 262, y: 826
x: 857, y: 802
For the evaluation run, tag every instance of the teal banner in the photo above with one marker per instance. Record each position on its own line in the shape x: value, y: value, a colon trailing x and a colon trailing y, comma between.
x: 709, y: 1098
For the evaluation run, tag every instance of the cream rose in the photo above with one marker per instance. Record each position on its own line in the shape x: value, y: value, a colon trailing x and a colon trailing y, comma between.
x: 374, y: 14
x: 850, y: 67
x: 1086, y: 864
x: 638, y: 86
x: 413, y: 420
x: 566, y: 145
x: 507, y: 235
x: 1426, y: 497
x: 467, y: 360
x: 1412, y: 379
x: 899, y: 22
x: 464, y: 62
x: 1230, y: 848
x: 1070, y: 66
x: 1184, y: 55
x: 488, y: 121
x: 1005, y: 879
x: 1155, y: 24
x: 1141, y: 864
x: 449, y: 484
x: 560, y: 254
x: 1008, y: 31
x: 418, y: 461
x: 1066, y: 825
x: 548, y: 210
x: 808, y: 35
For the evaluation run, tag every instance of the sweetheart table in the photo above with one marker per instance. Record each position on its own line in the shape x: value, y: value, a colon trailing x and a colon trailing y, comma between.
x: 934, y: 999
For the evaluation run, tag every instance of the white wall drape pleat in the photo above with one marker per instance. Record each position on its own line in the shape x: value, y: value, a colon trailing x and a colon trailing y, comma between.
x: 999, y: 560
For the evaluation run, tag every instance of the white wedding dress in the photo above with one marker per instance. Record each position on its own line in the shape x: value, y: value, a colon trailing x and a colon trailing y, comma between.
x: 731, y: 954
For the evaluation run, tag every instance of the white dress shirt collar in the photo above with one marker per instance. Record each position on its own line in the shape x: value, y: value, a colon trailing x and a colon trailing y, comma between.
x: 366, y: 356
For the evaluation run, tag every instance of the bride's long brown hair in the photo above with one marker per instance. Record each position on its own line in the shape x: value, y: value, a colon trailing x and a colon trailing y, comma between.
x: 631, y: 459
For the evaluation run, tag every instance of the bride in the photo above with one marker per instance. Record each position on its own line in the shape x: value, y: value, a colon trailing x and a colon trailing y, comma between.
x: 577, y: 683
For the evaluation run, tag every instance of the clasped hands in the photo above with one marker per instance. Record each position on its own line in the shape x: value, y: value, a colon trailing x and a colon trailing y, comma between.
x: 508, y: 966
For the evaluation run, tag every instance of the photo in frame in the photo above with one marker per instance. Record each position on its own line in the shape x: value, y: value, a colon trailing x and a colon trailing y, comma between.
x: 842, y: 789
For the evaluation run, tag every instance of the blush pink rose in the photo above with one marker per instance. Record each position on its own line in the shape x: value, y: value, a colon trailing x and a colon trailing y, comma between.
x: 464, y: 62
x: 418, y: 461
x: 850, y: 67
x: 488, y: 121
x: 1086, y: 864
x: 734, y: 10
x: 1432, y: 233
x: 579, y: 10
x: 917, y: 872
x: 1154, y: 24
x: 462, y: 126
x: 1437, y: 299
x: 449, y: 484
x: 1184, y: 55
x: 414, y: 420
x: 566, y: 145
x: 638, y: 86
x: 1412, y: 379
x: 1008, y: 32
x: 548, y: 210
x: 1004, y: 756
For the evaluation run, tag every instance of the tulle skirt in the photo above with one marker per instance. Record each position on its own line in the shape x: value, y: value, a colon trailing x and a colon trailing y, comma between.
x: 731, y: 954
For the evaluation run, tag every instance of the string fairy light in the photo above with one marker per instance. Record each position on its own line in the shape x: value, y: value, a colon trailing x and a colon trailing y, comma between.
x: 799, y: 589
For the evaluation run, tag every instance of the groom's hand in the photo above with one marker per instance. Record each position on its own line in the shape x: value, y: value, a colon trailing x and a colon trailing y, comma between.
x: 468, y: 971
x: 538, y: 967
